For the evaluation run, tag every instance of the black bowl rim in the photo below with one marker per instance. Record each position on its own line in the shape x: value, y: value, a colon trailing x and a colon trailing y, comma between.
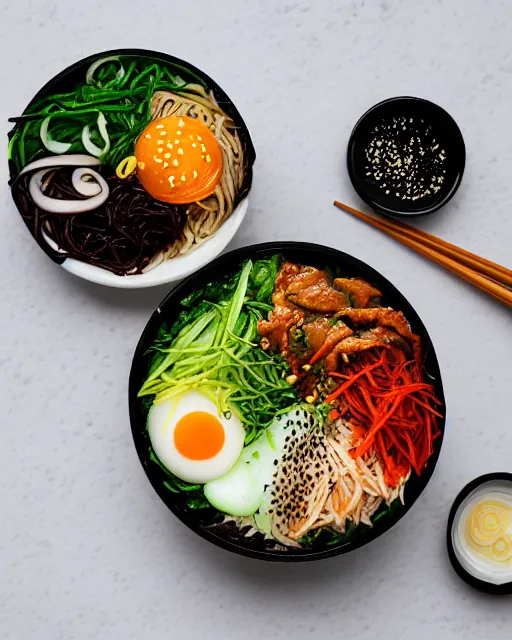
x: 234, y: 258
x: 357, y: 183
x: 476, y: 583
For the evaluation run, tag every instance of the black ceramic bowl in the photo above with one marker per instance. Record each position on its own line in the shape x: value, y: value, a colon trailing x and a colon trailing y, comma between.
x: 441, y: 126
x: 201, y: 521
x: 469, y: 578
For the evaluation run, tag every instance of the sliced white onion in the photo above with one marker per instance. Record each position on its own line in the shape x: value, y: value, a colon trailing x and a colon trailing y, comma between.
x: 55, y: 205
x: 89, y: 76
x: 89, y: 145
x: 73, y: 159
x: 88, y: 188
x: 52, y: 145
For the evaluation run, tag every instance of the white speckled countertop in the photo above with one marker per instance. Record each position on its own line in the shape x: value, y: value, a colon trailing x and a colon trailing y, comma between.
x: 87, y: 550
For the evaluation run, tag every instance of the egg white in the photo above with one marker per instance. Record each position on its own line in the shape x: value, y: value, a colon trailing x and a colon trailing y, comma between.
x: 162, y: 421
x: 474, y: 563
x: 246, y: 489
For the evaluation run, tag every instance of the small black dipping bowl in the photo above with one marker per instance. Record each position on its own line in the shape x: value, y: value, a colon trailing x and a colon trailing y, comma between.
x: 442, y: 127
x: 206, y: 522
x: 469, y: 578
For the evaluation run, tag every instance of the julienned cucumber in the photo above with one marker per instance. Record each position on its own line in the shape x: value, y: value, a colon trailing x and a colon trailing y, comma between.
x: 218, y: 352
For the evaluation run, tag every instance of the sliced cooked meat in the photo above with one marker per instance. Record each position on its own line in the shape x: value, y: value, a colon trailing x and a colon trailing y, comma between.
x: 335, y: 335
x: 360, y: 291
x: 306, y: 277
x: 319, y: 297
x: 286, y: 274
x: 350, y: 345
x: 317, y: 332
x: 309, y: 288
x: 284, y: 314
x: 280, y: 319
x: 389, y: 337
x: 385, y: 318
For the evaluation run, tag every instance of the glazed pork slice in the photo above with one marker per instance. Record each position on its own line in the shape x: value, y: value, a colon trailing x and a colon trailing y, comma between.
x: 316, y: 332
x: 359, y: 291
x: 284, y: 314
x: 310, y: 289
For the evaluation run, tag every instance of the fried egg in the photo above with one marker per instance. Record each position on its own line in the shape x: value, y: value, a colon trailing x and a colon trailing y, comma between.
x: 192, y: 440
x: 179, y: 160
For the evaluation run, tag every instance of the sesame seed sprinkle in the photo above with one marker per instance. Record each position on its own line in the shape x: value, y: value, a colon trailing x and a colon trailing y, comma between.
x: 404, y: 159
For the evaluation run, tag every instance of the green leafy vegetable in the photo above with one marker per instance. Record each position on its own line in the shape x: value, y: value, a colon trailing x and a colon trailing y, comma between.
x: 106, y: 115
x: 262, y: 279
x: 213, y: 346
x: 194, y: 492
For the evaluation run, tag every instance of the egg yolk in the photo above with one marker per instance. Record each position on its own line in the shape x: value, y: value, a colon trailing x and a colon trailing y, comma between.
x: 199, y: 435
x: 178, y: 160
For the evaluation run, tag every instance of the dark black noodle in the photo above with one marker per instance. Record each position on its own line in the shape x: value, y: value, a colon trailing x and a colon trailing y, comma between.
x: 123, y: 235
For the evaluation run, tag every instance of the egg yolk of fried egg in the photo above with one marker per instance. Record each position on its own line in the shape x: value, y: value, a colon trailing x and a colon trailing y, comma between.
x: 192, y: 440
x: 179, y: 160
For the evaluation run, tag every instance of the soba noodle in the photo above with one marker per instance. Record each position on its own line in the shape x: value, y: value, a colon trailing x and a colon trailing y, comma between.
x: 129, y: 231
x: 206, y: 216
x: 123, y: 235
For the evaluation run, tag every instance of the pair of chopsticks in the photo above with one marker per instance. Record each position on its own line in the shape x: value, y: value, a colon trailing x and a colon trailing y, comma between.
x: 484, y: 274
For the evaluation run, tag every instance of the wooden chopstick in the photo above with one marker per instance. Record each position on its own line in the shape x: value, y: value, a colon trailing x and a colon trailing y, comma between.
x: 488, y: 268
x: 470, y: 267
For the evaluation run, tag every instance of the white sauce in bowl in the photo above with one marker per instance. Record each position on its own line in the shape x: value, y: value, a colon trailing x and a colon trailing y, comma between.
x: 482, y: 532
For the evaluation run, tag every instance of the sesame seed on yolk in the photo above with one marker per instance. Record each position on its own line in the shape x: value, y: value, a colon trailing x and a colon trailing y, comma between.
x: 200, y: 169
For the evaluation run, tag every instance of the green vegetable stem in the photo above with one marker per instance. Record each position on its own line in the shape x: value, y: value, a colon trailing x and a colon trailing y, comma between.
x: 103, y: 115
x: 214, y: 347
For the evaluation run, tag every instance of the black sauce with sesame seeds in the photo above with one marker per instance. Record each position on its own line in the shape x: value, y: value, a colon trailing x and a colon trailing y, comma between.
x: 404, y: 159
x: 406, y: 174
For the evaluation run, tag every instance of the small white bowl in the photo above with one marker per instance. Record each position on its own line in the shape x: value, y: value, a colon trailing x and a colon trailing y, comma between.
x: 170, y: 270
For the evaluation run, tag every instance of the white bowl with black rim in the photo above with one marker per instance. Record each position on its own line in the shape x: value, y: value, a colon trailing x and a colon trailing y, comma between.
x: 479, y: 533
x: 92, y: 141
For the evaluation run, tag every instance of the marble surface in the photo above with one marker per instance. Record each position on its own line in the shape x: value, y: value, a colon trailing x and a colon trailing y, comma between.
x: 87, y: 550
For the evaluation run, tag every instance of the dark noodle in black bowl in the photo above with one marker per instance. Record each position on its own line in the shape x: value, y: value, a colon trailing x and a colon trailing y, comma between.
x: 126, y: 160
x: 286, y: 402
